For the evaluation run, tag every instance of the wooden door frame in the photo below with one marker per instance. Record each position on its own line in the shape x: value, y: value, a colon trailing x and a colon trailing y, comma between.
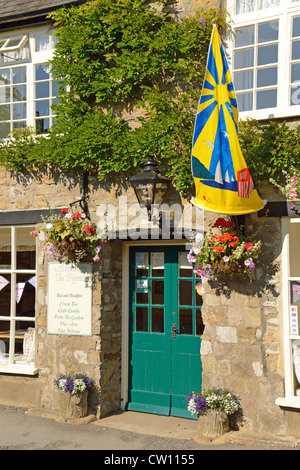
x: 125, y: 304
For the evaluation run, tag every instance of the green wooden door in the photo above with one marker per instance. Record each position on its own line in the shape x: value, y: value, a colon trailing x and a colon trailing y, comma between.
x: 165, y: 328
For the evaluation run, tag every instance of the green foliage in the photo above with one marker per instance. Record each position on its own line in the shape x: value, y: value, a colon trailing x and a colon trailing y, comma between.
x: 270, y: 149
x: 115, y: 58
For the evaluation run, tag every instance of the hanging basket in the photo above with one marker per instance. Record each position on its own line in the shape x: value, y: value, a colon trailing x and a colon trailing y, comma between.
x: 221, y: 268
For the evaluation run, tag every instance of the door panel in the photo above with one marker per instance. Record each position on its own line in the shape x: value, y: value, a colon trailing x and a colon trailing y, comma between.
x: 165, y: 328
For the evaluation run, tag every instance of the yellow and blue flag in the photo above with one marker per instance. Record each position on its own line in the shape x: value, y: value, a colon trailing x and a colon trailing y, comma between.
x: 222, y: 180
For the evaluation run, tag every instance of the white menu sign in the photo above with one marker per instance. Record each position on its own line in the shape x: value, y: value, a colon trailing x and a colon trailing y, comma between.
x: 69, y: 299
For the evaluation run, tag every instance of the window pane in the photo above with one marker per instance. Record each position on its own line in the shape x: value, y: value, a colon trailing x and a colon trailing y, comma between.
x: 157, y: 264
x: 5, y: 249
x: 4, y: 112
x: 4, y: 94
x: 157, y: 292
x: 4, y: 337
x: 198, y: 298
x: 19, y: 124
x: 296, y: 50
x: 19, y: 111
x: 5, y: 298
x: 26, y: 247
x: 141, y: 264
x: 42, y: 90
x: 141, y: 285
x: 243, y: 80
x: 25, y: 298
x: 268, y: 4
x: 244, y: 36
x: 266, y: 99
x: 42, y: 108
x: 268, y: 31
x: 55, y: 88
x: 4, y: 76
x: 243, y: 6
x: 295, y: 73
x: 185, y: 292
x: 19, y: 93
x: 141, y: 288
x: 42, y: 43
x: 185, y: 321
x: 244, y: 58
x: 19, y: 74
x: 141, y: 319
x: 185, y: 268
x: 267, y: 54
x: 54, y: 102
x: 42, y: 126
x: 157, y: 320
x: 142, y: 297
x: 296, y: 27
x: 24, y: 342
x: 295, y: 95
x: 199, y: 323
x: 4, y: 129
x: 267, y: 77
x: 42, y: 72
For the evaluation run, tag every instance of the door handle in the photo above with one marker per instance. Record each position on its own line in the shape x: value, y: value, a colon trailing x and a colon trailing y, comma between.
x: 174, y: 330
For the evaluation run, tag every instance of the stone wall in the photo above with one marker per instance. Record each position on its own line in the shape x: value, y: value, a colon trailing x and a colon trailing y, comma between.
x: 242, y: 341
x: 98, y: 355
x: 242, y: 344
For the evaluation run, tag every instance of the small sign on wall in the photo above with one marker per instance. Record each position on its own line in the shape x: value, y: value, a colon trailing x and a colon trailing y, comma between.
x: 294, y: 320
x: 69, y: 299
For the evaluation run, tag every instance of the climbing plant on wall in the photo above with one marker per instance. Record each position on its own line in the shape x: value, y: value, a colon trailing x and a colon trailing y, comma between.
x: 116, y: 60
x: 130, y: 79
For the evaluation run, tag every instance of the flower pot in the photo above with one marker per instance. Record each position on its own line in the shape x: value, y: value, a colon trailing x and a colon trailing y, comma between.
x: 212, y: 424
x: 73, y: 406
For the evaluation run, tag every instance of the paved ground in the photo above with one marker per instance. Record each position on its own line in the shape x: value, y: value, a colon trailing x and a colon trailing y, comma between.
x: 126, y: 432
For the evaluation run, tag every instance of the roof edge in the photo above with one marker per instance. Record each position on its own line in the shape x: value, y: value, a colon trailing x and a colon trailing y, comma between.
x: 27, y: 17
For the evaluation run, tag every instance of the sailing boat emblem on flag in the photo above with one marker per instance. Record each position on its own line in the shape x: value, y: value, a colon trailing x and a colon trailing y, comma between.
x: 222, y: 180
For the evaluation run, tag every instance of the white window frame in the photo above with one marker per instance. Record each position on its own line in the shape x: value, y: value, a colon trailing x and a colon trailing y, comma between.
x: 36, y: 58
x: 284, y: 13
x: 18, y: 367
x: 290, y: 399
x: 7, y: 48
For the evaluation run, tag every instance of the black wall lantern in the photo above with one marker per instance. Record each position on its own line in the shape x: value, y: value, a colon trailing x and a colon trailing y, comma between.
x: 150, y: 186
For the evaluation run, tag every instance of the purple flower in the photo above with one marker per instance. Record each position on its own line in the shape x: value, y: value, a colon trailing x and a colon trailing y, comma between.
x: 202, y: 21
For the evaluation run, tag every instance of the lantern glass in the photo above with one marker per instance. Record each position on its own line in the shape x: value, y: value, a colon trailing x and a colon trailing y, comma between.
x: 150, y: 187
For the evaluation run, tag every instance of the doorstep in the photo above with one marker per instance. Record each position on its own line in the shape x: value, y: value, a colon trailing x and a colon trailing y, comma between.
x: 151, y: 424
x: 186, y: 429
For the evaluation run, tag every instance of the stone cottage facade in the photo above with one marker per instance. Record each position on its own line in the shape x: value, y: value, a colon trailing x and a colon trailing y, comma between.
x: 246, y: 344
